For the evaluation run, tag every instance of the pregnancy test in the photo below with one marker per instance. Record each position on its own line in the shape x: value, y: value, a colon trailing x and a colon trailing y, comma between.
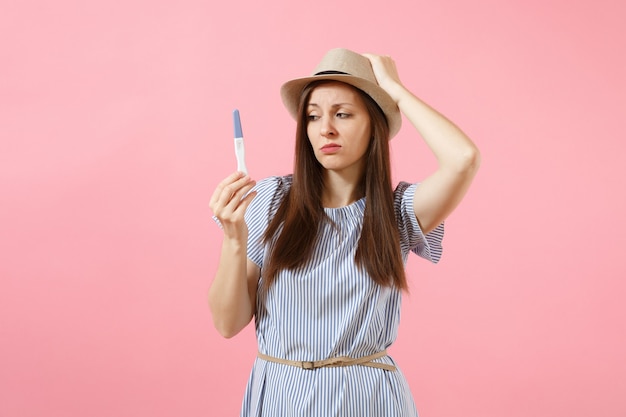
x: 240, y: 151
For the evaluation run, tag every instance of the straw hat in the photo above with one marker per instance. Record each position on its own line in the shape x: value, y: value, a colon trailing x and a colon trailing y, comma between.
x: 351, y: 68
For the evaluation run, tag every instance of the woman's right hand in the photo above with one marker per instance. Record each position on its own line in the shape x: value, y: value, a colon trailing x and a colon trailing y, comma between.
x: 232, y: 294
x: 229, y: 206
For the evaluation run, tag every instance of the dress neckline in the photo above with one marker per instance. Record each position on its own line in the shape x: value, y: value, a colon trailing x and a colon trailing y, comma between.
x: 353, y: 209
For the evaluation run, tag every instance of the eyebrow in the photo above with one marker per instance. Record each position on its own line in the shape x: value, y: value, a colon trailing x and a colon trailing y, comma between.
x: 334, y: 105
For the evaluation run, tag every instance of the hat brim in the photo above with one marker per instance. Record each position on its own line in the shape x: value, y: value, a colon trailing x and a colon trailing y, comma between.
x: 290, y: 93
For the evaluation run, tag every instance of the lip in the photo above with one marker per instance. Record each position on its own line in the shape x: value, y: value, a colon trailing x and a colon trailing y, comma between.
x: 330, y: 148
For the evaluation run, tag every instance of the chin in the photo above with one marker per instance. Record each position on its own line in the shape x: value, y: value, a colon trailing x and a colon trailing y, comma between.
x: 332, y: 167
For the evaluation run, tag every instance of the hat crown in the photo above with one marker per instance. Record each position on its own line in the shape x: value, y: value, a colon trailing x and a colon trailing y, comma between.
x: 348, y: 62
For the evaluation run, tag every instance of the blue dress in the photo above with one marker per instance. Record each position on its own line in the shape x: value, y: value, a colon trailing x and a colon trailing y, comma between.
x: 329, y: 308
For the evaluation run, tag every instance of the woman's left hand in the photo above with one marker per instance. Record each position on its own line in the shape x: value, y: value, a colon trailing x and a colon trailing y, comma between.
x: 386, y: 74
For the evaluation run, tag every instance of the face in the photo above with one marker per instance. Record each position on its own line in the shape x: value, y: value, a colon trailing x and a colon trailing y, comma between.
x: 338, y: 127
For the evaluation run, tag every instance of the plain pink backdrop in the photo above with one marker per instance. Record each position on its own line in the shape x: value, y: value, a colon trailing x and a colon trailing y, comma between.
x: 115, y: 126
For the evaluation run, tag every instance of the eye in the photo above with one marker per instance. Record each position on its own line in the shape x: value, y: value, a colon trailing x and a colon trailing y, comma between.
x: 343, y: 115
x: 312, y: 117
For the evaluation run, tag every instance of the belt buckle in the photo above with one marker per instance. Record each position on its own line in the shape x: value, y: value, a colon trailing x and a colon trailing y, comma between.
x: 309, y: 366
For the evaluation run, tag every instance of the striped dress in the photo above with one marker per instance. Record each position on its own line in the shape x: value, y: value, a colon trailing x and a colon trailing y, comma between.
x: 329, y: 308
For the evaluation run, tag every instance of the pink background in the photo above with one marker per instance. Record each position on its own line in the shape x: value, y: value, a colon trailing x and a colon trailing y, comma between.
x: 115, y: 122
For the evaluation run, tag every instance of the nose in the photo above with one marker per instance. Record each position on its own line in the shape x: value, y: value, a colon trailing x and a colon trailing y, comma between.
x: 327, y: 128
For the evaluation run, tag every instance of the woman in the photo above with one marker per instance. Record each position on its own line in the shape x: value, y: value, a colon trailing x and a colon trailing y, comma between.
x: 318, y: 257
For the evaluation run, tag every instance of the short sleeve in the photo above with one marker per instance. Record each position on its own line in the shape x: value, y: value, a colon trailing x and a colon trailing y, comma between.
x: 427, y: 246
x: 262, y: 209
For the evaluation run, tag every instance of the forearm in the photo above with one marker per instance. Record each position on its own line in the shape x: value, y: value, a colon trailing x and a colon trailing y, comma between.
x: 230, y: 300
x: 452, y: 148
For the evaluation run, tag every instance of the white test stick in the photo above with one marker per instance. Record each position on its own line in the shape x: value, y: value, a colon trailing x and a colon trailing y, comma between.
x: 240, y: 150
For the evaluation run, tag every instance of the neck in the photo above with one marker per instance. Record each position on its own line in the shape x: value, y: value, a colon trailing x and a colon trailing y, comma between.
x: 341, y: 189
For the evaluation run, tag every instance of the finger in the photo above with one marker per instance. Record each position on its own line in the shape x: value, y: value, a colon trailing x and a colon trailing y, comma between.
x: 231, y: 213
x: 224, y: 183
x: 227, y: 190
x: 239, y: 194
x: 372, y: 58
x: 233, y: 192
x: 245, y: 202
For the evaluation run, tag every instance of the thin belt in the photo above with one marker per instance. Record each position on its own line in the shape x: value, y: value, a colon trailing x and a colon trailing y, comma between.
x: 334, y: 362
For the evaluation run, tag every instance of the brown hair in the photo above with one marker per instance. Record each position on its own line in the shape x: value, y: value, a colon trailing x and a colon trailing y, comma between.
x: 301, y: 210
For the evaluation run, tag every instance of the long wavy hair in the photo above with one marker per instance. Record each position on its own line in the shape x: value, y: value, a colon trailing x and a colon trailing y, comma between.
x: 301, y: 212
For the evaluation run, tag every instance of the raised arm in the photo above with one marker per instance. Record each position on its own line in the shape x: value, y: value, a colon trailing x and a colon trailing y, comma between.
x: 458, y: 158
x: 232, y: 295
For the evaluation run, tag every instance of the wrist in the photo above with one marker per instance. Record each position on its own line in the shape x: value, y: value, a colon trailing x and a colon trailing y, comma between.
x: 235, y: 244
x: 395, y: 90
